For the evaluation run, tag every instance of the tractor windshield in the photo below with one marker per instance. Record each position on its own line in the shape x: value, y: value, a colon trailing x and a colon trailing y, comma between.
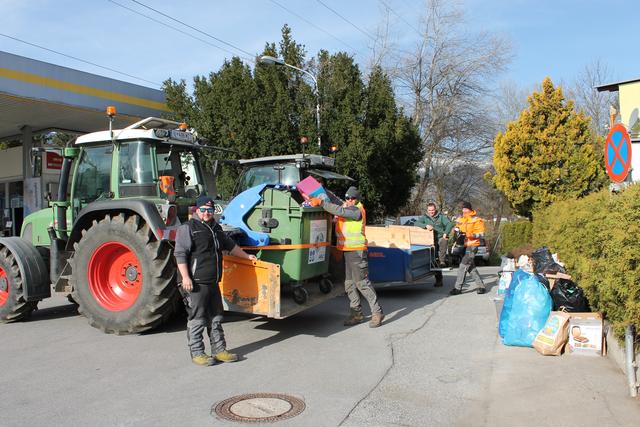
x: 135, y: 170
x: 268, y: 174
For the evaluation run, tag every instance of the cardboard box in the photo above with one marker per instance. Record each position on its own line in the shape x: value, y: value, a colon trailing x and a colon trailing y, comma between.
x: 553, y: 277
x: 398, y: 236
x: 585, y: 334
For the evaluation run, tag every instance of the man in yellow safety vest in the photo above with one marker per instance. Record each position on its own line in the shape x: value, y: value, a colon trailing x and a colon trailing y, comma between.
x: 350, y: 224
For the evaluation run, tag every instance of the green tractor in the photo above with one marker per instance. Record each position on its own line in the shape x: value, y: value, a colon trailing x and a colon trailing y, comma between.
x: 107, y: 241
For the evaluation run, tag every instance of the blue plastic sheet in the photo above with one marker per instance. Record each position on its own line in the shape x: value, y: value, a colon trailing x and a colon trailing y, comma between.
x: 236, y: 211
x: 529, y: 312
x: 516, y: 279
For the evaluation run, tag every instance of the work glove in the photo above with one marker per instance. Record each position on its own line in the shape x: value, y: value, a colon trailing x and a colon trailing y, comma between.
x: 314, y: 201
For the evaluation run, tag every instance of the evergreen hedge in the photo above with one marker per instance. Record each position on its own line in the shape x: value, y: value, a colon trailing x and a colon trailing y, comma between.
x: 597, y: 237
x: 515, y: 235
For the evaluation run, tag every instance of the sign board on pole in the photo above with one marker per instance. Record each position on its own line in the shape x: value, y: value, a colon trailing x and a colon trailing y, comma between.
x: 54, y: 160
x: 617, y: 153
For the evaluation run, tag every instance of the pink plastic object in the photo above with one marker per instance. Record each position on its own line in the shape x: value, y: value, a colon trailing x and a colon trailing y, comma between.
x: 310, y: 187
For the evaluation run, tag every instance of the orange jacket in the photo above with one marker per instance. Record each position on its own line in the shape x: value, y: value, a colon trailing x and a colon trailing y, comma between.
x: 473, y: 228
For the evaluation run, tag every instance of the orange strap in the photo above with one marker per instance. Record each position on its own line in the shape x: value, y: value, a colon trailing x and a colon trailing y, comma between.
x: 285, y: 247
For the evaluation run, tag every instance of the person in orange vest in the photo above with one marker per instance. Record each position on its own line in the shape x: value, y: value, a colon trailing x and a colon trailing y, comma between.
x: 350, y: 225
x: 472, y: 227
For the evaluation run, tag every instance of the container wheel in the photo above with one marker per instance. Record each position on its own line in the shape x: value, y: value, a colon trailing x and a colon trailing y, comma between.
x: 300, y: 295
x: 123, y: 278
x: 326, y: 286
x: 12, y: 303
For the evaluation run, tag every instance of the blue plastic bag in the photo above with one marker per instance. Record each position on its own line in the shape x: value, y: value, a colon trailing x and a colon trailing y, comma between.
x: 529, y: 312
x: 516, y: 278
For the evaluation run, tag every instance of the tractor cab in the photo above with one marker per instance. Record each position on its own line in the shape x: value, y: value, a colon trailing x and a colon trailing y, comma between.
x: 286, y: 170
x: 152, y: 159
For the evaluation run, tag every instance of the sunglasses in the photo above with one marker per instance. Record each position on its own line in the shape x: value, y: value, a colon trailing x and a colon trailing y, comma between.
x: 350, y: 198
x: 206, y: 210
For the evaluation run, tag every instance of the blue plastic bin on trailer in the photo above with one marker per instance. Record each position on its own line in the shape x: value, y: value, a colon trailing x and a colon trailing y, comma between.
x: 399, y: 265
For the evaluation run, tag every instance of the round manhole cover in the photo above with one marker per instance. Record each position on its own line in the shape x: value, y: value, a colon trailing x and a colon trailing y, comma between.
x: 259, y: 408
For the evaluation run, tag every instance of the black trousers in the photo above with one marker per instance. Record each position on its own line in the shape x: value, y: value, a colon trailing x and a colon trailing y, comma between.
x: 204, y: 311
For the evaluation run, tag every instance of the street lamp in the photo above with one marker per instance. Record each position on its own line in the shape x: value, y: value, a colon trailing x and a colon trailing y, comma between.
x: 270, y: 60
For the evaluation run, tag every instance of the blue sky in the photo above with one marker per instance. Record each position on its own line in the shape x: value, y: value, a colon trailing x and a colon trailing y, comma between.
x: 550, y: 38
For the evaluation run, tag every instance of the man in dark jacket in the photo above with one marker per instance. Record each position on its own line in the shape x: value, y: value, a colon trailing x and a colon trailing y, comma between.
x: 441, y: 226
x: 198, y: 253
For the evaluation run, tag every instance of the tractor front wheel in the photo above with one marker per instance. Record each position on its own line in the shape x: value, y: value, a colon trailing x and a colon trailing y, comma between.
x: 13, y: 306
x: 123, y: 278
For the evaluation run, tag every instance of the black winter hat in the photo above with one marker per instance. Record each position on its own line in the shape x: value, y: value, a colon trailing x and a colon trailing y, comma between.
x: 467, y: 205
x: 352, y: 193
x: 204, y: 201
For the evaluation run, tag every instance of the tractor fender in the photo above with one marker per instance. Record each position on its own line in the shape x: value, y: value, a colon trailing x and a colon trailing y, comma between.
x: 146, y: 209
x: 33, y: 270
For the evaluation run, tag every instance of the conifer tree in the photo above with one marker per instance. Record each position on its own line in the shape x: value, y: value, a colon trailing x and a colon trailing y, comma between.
x: 548, y: 154
x: 265, y: 112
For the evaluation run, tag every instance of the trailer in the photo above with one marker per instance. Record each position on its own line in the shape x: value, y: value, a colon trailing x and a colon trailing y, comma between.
x: 397, y: 256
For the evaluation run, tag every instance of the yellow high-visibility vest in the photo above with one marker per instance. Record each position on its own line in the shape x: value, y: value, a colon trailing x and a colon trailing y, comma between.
x: 350, y: 232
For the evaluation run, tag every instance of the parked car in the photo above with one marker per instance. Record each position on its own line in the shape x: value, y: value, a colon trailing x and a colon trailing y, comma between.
x: 409, y: 220
x: 482, y: 256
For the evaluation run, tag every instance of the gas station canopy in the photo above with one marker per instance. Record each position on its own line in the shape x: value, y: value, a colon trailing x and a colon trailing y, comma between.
x: 46, y: 96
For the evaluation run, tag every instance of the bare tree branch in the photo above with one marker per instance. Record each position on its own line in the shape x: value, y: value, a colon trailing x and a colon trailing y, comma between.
x: 446, y: 85
x: 591, y: 102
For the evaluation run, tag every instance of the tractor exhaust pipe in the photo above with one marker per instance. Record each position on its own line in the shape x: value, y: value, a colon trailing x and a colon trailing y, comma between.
x: 61, y: 209
x: 57, y: 256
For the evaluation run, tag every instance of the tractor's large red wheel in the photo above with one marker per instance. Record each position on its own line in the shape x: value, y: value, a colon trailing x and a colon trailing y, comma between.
x: 13, y: 306
x: 123, y: 278
x: 115, y: 276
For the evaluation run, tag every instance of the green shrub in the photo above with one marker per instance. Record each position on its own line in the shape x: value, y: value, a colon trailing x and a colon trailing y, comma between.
x: 515, y: 235
x: 597, y: 238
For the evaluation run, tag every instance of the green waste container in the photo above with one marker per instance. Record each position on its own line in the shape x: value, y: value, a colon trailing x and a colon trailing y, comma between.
x: 299, y: 237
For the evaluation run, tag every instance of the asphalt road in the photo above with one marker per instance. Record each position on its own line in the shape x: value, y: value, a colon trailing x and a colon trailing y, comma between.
x: 435, y: 361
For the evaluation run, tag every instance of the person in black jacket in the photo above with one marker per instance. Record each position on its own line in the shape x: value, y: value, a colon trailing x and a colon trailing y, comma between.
x: 198, y: 253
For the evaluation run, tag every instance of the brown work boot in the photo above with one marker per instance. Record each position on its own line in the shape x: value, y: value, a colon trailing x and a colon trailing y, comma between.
x: 376, y: 320
x: 354, y: 318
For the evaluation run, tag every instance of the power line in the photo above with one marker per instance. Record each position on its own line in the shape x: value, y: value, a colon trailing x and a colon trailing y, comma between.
x: 80, y: 60
x: 400, y: 17
x: 313, y: 25
x: 194, y: 28
x: 346, y: 20
x: 177, y: 29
